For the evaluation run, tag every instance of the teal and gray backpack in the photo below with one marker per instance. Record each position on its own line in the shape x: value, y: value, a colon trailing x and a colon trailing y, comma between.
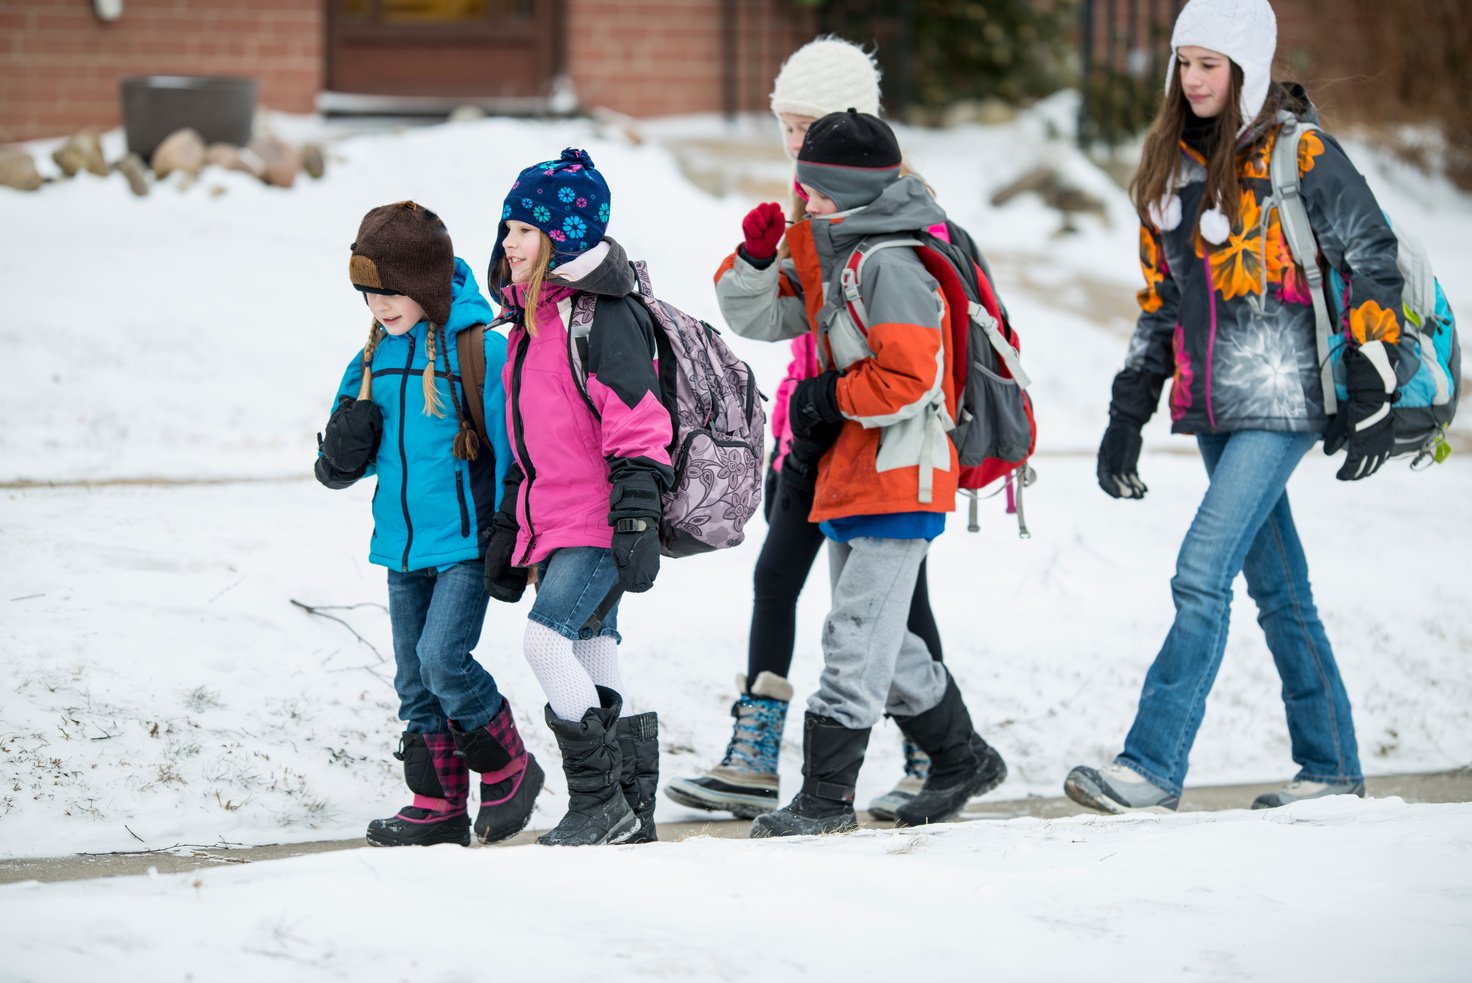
x: 1431, y: 377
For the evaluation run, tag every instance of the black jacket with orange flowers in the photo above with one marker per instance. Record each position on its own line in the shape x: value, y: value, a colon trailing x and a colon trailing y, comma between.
x: 1232, y: 325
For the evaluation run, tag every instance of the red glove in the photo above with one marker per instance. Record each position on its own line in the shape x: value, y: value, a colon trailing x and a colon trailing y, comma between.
x: 763, y: 227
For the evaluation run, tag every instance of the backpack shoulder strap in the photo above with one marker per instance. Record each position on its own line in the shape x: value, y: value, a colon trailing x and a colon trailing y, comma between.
x: 1299, y: 234
x: 470, y: 346
x: 579, y: 326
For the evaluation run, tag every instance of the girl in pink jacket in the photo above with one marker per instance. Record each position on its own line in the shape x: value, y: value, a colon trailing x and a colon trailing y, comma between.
x: 582, y: 499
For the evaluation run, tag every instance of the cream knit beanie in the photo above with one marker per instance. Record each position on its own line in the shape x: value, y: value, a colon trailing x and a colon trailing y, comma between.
x: 1246, y: 31
x: 827, y: 75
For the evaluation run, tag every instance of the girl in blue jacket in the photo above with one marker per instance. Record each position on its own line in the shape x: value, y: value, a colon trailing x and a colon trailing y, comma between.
x: 401, y: 412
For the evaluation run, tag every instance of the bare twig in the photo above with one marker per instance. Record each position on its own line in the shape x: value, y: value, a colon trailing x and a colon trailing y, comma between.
x: 134, y: 835
x: 320, y: 612
x: 227, y: 590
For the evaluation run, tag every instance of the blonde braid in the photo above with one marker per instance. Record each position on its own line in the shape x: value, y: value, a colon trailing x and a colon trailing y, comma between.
x: 375, y: 335
x: 432, y: 404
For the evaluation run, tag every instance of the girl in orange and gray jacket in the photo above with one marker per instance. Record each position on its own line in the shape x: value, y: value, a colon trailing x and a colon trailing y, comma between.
x: 871, y: 454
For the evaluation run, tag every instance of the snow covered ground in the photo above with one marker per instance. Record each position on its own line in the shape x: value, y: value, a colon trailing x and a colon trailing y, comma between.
x: 170, y: 360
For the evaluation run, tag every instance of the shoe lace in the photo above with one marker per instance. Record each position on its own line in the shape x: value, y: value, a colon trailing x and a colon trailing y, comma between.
x: 753, y: 742
x: 917, y: 762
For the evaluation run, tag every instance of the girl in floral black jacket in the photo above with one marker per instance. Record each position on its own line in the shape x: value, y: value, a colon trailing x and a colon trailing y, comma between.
x: 1227, y: 316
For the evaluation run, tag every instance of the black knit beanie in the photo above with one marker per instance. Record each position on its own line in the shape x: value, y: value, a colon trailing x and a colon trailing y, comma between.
x: 404, y: 248
x: 851, y: 157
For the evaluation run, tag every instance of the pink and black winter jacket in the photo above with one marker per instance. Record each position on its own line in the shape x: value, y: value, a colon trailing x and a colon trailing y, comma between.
x: 572, y: 462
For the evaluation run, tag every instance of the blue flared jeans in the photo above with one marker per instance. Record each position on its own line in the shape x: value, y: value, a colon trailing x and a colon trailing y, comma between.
x: 1244, y: 524
x: 436, y: 616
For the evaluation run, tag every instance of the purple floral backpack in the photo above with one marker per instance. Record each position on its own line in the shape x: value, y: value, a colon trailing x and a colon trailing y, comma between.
x: 719, y: 424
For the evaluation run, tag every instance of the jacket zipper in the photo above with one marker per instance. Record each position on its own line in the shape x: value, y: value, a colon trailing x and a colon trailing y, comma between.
x: 404, y: 456
x: 464, y: 512
x: 1211, y: 337
x: 528, y: 472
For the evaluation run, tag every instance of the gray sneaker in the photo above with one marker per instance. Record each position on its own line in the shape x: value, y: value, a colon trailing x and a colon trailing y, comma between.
x: 1297, y: 791
x: 1117, y: 789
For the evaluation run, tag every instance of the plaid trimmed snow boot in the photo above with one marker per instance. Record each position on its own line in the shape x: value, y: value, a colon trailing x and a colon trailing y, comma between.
x: 832, y: 755
x: 441, y: 786
x: 961, y: 763
x: 510, y: 777
x: 745, y: 782
x: 597, y: 811
x: 638, y: 745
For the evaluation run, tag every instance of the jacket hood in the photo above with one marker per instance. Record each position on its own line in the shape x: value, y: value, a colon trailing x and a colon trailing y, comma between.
x: 468, y: 307
x: 905, y: 206
x: 602, y: 270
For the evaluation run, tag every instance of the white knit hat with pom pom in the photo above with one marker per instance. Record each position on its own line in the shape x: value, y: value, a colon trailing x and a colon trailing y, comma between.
x: 827, y: 75
x: 1246, y: 31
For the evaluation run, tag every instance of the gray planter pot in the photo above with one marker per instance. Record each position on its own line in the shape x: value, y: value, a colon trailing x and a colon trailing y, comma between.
x: 221, y: 108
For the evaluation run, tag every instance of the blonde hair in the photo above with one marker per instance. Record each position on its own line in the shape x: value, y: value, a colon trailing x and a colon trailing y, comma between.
x: 533, y: 284
x: 433, y: 405
x: 467, y: 440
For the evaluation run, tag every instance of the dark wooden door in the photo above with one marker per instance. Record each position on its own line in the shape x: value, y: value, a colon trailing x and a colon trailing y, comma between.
x: 483, y: 49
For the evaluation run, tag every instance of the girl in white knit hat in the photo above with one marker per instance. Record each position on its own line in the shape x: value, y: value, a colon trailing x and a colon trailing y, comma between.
x: 824, y: 76
x: 1228, y: 317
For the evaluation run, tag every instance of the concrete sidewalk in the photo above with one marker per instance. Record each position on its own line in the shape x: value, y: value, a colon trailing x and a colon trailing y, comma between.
x: 1446, y: 786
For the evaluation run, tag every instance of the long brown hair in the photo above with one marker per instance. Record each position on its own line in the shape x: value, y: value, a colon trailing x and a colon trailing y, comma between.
x: 1159, y: 160
x: 534, y: 283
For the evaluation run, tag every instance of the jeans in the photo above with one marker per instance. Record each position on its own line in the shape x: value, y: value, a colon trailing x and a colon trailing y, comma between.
x: 436, y: 618
x: 872, y: 663
x: 571, y: 584
x: 1244, y: 523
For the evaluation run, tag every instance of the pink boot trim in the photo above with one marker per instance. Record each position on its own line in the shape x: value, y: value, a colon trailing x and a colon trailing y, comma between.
x: 516, y: 767
x: 505, y: 772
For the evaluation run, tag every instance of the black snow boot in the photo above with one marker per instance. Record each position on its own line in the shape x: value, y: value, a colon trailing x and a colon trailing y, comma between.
x: 440, y: 784
x: 597, y: 811
x: 831, y: 757
x: 961, y: 763
x: 638, y: 744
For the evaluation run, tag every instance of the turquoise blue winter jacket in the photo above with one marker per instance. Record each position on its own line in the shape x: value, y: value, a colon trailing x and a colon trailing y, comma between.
x: 432, y: 509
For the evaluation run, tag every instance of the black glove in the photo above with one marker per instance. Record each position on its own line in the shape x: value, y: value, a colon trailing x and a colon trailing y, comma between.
x: 800, y: 467
x: 350, y: 441
x: 1133, y: 398
x: 636, y: 553
x: 505, y: 582
x: 1363, y: 422
x: 1119, y: 461
x: 814, y: 402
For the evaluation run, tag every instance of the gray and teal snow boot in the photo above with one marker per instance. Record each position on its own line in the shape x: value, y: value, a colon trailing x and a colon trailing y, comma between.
x: 745, y: 782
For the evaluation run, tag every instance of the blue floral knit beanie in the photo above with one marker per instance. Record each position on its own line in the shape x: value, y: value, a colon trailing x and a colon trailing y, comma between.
x: 566, y: 198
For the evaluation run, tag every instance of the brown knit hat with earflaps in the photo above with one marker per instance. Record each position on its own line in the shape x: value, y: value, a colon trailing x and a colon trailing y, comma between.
x: 404, y: 248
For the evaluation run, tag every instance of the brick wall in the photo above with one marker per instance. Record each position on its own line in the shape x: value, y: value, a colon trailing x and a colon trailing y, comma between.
x: 60, y: 65
x: 648, y: 58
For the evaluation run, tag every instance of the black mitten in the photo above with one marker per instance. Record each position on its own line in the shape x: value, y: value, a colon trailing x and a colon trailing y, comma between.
x: 350, y: 440
x: 1363, y: 424
x: 634, y: 511
x: 636, y: 553
x: 503, y: 581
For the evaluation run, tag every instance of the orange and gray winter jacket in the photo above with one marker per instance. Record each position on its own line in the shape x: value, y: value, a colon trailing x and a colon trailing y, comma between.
x: 893, y: 454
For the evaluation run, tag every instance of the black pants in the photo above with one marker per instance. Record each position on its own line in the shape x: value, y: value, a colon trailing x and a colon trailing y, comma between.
x: 782, y: 568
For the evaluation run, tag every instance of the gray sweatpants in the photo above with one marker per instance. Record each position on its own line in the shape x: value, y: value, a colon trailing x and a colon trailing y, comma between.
x: 872, y: 662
